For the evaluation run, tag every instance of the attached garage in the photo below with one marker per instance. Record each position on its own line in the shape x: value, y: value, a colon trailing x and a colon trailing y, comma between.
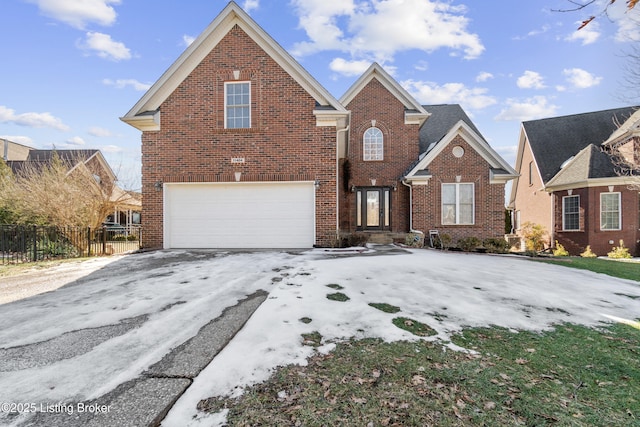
x: 239, y: 215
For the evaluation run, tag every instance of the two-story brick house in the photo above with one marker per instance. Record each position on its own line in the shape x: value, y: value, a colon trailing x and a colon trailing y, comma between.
x: 242, y: 147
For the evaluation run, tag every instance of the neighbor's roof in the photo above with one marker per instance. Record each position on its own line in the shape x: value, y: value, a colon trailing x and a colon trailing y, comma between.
x: 555, y: 140
x: 590, y: 163
x: 443, y: 117
x: 73, y: 157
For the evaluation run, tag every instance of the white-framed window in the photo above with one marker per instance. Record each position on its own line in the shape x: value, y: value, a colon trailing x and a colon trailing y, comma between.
x: 610, y: 211
x: 571, y: 213
x: 237, y: 105
x: 458, y: 201
x: 373, y: 144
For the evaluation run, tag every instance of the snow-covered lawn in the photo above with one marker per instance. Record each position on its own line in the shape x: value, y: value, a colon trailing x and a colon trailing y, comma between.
x: 176, y: 293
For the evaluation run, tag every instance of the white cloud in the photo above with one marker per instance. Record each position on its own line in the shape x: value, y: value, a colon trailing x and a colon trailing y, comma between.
x: 627, y: 21
x: 581, y: 79
x: 383, y: 28
x: 105, y: 47
x: 18, y: 139
x: 111, y: 149
x: 187, y: 40
x: 349, y: 68
x: 34, y: 120
x: 76, y: 141
x: 530, y: 80
x: 79, y: 13
x: 586, y: 35
x: 99, y: 132
x: 529, y: 109
x: 123, y: 83
x: 449, y: 93
x: 483, y: 77
x: 249, y: 5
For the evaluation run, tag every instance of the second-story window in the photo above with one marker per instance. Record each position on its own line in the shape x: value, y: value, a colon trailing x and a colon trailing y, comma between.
x: 373, y: 144
x: 237, y: 105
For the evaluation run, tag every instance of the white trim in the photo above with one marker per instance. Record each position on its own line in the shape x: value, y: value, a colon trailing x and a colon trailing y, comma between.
x: 457, y: 186
x: 230, y: 16
x: 477, y: 143
x: 619, y: 211
x: 564, y: 227
x: 226, y: 106
x: 375, y: 71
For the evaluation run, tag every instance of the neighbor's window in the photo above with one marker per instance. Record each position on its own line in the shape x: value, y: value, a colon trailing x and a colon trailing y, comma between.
x: 237, y: 103
x: 571, y: 213
x: 458, y: 203
x: 610, y: 211
x: 373, y: 144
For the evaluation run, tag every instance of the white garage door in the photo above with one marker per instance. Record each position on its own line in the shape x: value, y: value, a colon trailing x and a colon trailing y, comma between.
x: 239, y: 215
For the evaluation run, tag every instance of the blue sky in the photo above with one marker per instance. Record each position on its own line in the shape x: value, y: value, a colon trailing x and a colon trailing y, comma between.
x: 71, y: 68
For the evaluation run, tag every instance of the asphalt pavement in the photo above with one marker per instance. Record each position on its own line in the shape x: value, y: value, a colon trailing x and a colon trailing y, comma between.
x: 145, y: 400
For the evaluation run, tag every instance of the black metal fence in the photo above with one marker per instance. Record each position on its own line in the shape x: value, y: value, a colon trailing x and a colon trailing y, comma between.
x: 20, y: 243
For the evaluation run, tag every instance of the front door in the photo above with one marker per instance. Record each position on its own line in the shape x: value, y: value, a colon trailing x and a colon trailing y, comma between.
x: 373, y: 206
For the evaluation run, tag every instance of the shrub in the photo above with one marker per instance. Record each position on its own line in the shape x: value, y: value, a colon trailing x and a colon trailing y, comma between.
x: 415, y: 240
x: 353, y: 240
x: 469, y: 244
x: 560, y: 250
x: 619, y: 252
x: 534, y: 236
x: 496, y: 245
x: 445, y: 239
x: 588, y: 253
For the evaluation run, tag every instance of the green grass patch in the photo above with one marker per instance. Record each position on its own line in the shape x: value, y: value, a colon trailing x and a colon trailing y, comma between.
x: 335, y: 286
x: 387, y: 308
x: 305, y: 320
x: 573, y: 376
x: 620, y: 269
x: 313, y: 339
x: 338, y: 296
x: 413, y: 326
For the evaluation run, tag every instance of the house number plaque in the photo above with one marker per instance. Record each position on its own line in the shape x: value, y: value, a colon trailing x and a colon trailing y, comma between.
x: 237, y: 160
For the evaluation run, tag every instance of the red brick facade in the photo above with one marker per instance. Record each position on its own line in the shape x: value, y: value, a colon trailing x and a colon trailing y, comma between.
x: 590, y: 232
x: 283, y: 143
x: 296, y: 134
x: 375, y: 106
x: 488, y: 198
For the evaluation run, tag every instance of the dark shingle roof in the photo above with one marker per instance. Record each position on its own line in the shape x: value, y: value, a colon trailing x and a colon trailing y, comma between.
x: 442, y: 119
x: 591, y: 162
x: 555, y: 140
x: 42, y: 157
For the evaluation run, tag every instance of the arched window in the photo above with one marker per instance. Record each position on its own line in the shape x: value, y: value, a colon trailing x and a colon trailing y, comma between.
x: 373, y: 144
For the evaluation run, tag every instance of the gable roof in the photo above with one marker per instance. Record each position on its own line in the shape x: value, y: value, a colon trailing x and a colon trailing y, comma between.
x: 628, y: 129
x: 72, y: 157
x: 554, y: 140
x: 414, y: 112
x: 499, y: 170
x: 145, y: 115
x: 590, y: 163
x: 442, y: 118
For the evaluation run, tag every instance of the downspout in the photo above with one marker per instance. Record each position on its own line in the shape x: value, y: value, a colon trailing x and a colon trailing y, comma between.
x: 553, y: 220
x: 5, y: 146
x: 346, y: 129
x: 404, y: 182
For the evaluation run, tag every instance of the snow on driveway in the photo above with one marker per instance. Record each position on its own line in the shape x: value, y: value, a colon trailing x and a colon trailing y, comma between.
x: 159, y: 300
x: 447, y: 291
